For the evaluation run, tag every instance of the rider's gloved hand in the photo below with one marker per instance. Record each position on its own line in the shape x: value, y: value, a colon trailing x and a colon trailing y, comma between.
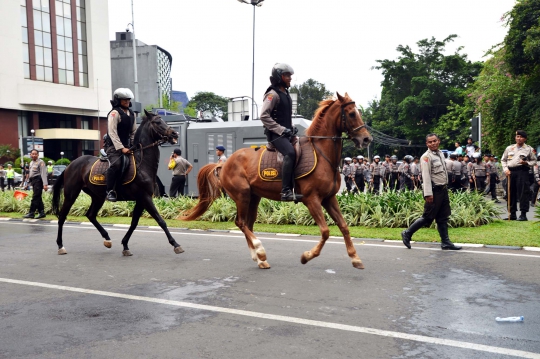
x: 287, y: 133
x: 294, y: 131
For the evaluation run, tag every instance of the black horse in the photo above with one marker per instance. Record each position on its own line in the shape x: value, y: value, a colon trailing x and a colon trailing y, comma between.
x: 152, y: 132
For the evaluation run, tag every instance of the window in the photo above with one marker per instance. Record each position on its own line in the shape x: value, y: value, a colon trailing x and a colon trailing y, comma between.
x: 42, y: 40
x: 25, y: 50
x: 64, y: 40
x: 81, y: 42
x: 86, y: 124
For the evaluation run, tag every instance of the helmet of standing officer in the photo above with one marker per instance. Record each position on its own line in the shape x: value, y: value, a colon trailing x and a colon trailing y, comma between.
x: 377, y: 158
x: 348, y: 159
x: 393, y: 158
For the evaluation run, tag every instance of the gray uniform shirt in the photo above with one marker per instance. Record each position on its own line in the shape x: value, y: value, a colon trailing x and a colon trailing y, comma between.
x: 456, y: 168
x: 347, y: 170
x: 375, y: 169
x: 38, y: 168
x: 2, y: 173
x: 181, y: 166
x: 512, y: 156
x: 112, y: 129
x: 433, y: 171
x: 271, y: 100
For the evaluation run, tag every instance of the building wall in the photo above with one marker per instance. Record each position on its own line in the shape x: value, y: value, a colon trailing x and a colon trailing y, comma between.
x: 33, y: 97
x: 147, y: 73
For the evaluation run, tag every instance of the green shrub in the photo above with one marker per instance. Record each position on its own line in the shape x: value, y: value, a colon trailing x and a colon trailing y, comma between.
x: 387, y: 210
x: 63, y: 161
x: 17, y: 163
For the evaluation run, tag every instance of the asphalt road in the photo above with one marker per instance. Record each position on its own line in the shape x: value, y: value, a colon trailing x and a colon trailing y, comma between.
x: 213, y: 302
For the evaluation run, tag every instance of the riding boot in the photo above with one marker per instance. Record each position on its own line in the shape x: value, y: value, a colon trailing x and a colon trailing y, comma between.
x: 287, y: 175
x: 407, y: 234
x: 112, y: 174
x: 445, y: 241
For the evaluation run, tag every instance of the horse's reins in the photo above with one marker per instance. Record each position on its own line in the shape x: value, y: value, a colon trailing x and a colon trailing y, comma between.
x: 336, y: 138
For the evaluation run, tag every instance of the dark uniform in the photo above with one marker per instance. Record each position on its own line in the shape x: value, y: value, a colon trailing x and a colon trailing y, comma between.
x: 406, y: 176
x: 519, y: 177
x: 394, y: 175
x: 493, y: 173
x: 121, y: 132
x: 359, y: 176
x: 478, y: 175
x: 536, y: 186
x: 435, y: 178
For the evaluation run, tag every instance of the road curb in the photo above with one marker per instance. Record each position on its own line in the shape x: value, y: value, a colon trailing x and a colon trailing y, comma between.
x: 470, y: 245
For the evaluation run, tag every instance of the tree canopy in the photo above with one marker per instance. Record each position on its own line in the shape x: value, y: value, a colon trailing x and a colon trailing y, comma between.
x: 310, y: 93
x: 209, y: 101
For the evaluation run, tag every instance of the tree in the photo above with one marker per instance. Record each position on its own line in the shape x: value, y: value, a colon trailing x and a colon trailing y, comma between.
x: 310, y: 93
x: 209, y: 101
x: 419, y: 87
x: 167, y: 104
x: 9, y: 152
x: 522, y: 43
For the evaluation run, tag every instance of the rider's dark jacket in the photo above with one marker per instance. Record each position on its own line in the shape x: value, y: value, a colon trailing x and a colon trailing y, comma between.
x: 276, y: 112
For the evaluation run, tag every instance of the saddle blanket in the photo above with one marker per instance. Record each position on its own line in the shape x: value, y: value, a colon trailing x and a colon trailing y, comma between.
x: 98, y: 172
x: 271, y: 161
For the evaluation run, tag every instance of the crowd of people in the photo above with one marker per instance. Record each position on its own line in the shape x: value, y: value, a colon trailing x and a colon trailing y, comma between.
x: 466, y: 168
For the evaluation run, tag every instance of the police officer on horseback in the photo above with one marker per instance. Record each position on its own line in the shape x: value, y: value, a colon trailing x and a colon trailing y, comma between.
x: 276, y: 116
x: 121, y: 129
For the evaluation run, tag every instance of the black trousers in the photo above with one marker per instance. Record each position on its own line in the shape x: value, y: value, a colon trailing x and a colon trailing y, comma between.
x: 37, y: 189
x: 284, y: 146
x: 10, y: 183
x: 480, y: 183
x: 439, y: 210
x: 2, y: 183
x: 177, y: 185
x: 376, y: 183
x: 359, y: 179
x: 519, y: 190
x: 493, y: 185
x: 394, y: 181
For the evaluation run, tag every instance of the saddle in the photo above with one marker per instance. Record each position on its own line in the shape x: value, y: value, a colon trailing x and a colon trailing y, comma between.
x: 271, y: 161
x: 98, y: 172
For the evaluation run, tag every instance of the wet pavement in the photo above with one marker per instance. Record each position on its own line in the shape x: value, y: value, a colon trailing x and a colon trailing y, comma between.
x: 423, y: 291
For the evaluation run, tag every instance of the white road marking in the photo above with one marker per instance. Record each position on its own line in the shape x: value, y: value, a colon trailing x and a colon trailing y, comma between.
x: 287, y: 319
x: 196, y: 232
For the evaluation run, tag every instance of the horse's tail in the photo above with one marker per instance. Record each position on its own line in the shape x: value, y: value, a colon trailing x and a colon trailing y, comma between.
x: 209, y: 189
x: 57, y: 188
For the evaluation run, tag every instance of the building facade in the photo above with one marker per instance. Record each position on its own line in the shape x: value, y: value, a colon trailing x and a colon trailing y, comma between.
x: 153, y: 68
x: 55, y: 74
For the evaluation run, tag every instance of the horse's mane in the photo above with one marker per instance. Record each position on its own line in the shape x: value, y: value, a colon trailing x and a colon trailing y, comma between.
x: 318, y: 123
x: 139, y: 131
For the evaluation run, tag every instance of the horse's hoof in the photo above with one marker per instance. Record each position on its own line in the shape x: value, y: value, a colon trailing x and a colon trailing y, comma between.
x: 264, y: 265
x: 127, y: 253
x: 178, y: 250
x: 107, y: 244
x: 62, y: 251
x: 358, y: 264
x: 304, y: 258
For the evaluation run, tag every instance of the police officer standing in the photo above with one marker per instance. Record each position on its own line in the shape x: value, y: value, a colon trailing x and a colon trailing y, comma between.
x: 10, y: 177
x: 347, y: 172
x: 180, y: 167
x: 405, y: 174
x: 50, y: 169
x: 376, y: 168
x: 478, y: 173
x: 536, y: 186
x: 220, y: 152
x: 516, y: 161
x: 37, y: 176
x: 2, y: 177
x: 437, y: 203
x: 359, y: 176
x: 121, y: 129
x: 276, y: 116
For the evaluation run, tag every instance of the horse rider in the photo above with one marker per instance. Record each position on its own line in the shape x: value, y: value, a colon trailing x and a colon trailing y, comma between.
x: 121, y: 129
x: 348, y: 172
x: 276, y: 116
x: 375, y: 170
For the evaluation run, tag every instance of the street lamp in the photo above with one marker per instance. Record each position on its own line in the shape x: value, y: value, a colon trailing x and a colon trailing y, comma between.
x: 259, y: 4
x: 132, y: 23
x: 32, y: 132
x: 62, y: 155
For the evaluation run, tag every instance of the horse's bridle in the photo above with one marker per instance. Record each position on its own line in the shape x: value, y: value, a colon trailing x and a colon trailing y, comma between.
x: 344, y: 121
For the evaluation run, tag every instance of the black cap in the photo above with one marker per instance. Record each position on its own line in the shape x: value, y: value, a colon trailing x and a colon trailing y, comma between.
x: 177, y: 151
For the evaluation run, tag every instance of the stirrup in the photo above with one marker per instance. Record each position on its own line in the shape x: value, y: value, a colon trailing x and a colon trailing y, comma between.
x: 111, y: 196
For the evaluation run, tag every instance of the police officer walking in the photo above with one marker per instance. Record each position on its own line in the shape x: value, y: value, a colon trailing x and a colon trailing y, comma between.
x: 437, y: 203
x: 276, y: 116
x: 181, y: 168
x: 37, y: 176
x: 121, y: 132
x: 516, y: 161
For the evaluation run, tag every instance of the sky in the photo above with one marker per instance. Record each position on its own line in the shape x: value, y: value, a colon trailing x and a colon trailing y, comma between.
x: 335, y: 42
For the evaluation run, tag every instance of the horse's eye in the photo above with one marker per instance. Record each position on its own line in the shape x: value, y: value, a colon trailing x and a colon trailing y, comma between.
x: 352, y: 115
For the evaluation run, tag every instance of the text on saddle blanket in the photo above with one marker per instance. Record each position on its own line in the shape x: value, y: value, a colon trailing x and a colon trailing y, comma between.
x: 271, y: 161
x: 99, y: 169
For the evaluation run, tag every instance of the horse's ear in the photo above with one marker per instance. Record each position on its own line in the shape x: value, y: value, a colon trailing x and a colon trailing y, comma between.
x: 146, y: 113
x: 340, y: 98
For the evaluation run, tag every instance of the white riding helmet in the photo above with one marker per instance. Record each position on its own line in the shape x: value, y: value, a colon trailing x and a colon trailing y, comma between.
x: 348, y: 159
x: 360, y: 157
x: 123, y: 94
x: 377, y: 157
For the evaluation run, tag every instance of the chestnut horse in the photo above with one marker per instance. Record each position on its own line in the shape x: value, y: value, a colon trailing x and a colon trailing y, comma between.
x: 240, y: 179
